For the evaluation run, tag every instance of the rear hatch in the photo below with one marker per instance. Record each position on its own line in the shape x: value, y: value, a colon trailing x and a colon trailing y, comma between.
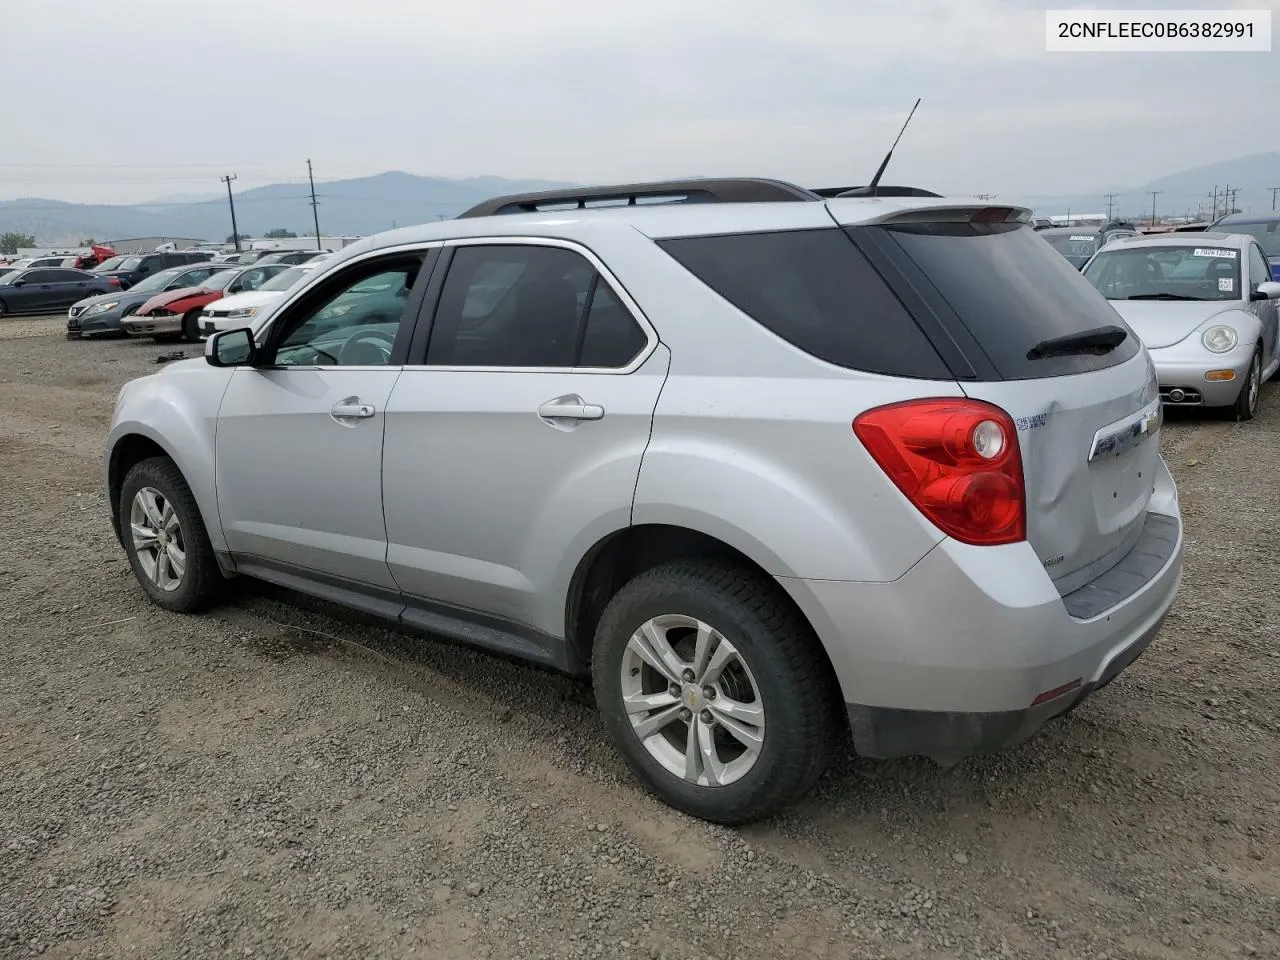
x: 1019, y: 327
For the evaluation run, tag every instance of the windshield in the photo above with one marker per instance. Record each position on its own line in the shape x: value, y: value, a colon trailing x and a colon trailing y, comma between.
x: 1267, y: 234
x: 156, y: 281
x: 1166, y: 273
x: 111, y: 263
x: 130, y: 263
x: 285, y: 279
x: 1073, y: 244
x: 219, y: 280
x: 12, y: 275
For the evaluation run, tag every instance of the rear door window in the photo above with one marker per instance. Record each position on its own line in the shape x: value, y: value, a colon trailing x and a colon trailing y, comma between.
x: 815, y: 290
x: 1008, y: 290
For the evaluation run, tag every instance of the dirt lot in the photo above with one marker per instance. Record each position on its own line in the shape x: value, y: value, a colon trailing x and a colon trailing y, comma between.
x: 238, y: 785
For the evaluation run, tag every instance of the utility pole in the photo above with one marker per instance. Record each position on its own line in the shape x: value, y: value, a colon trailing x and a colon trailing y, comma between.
x: 1226, y: 200
x: 315, y: 212
x: 1154, y: 193
x: 1109, y: 197
x: 1274, y: 191
x: 235, y: 232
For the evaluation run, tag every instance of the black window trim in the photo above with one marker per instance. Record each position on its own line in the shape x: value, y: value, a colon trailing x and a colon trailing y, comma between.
x: 322, y: 286
x: 1266, y: 261
x: 418, y: 349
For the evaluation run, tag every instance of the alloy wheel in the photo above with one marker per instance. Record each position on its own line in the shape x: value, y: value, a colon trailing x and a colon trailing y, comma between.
x: 692, y: 700
x: 157, y: 539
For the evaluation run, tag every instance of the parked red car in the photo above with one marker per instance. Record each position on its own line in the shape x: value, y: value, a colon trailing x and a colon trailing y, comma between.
x: 176, y: 313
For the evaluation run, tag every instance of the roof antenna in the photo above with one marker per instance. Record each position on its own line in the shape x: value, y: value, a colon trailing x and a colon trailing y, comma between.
x: 870, y: 189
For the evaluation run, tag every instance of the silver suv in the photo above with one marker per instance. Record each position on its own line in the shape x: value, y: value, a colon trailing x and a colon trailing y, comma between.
x: 767, y: 465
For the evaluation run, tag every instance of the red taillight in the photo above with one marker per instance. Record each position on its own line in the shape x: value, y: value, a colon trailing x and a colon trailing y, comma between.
x: 957, y: 461
x: 113, y: 281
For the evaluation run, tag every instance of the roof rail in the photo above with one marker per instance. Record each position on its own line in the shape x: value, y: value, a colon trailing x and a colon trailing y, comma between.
x: 881, y: 191
x: 710, y: 190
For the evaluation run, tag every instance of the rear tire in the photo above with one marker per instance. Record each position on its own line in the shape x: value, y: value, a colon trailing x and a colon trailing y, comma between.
x: 775, y: 688
x: 1246, y: 405
x: 165, y: 538
x: 3, y: 308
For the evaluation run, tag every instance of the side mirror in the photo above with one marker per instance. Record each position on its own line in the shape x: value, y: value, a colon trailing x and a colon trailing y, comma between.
x: 19, y: 283
x: 1267, y: 290
x: 231, y: 348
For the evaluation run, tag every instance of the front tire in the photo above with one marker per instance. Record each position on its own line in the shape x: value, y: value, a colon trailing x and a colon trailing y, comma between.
x: 715, y: 690
x: 191, y: 325
x: 165, y: 538
x: 1246, y: 405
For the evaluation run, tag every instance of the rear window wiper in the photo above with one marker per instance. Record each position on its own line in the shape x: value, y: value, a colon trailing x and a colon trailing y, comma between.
x: 1097, y: 341
x: 1162, y: 296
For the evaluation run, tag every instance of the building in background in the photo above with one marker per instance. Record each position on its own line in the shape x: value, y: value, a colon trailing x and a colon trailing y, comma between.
x: 149, y: 244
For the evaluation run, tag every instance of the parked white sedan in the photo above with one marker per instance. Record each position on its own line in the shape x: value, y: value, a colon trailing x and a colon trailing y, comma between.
x: 248, y: 309
x: 1206, y: 308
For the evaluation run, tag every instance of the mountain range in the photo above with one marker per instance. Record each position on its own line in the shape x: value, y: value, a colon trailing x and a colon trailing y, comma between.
x: 370, y: 204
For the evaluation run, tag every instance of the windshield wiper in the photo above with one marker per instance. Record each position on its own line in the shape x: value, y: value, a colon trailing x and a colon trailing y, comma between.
x: 1163, y: 296
x: 1097, y: 341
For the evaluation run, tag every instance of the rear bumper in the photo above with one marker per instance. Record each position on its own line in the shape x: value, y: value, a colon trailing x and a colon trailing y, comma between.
x: 974, y: 648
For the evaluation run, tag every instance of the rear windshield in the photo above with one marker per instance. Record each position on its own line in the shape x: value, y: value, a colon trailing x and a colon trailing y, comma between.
x: 814, y: 289
x: 987, y: 292
x: 1010, y: 292
x: 1267, y: 234
x: 1072, y: 244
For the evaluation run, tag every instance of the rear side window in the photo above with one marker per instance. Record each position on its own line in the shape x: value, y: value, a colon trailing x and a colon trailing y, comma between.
x: 814, y: 289
x: 530, y: 305
x: 1010, y: 291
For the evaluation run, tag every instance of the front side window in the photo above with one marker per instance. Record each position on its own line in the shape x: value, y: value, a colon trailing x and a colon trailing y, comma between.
x: 526, y: 305
x: 156, y: 282
x: 352, y: 321
x: 1167, y: 273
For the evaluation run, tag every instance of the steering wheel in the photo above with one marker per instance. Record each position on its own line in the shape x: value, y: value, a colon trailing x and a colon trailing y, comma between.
x: 348, y: 356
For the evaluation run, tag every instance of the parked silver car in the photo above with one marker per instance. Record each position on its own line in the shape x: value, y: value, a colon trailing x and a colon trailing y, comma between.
x: 1206, y: 308
x: 764, y: 470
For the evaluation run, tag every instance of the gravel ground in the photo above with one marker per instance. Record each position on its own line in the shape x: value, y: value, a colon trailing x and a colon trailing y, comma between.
x: 281, y: 779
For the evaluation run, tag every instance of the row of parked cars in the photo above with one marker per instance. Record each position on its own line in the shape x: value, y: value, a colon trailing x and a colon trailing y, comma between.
x: 1205, y: 302
x: 164, y: 295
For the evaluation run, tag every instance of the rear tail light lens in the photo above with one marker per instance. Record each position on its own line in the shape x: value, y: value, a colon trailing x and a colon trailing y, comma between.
x: 957, y: 461
x: 114, y: 281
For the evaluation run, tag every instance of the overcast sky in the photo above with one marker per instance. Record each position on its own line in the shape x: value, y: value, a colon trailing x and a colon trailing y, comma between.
x: 127, y: 100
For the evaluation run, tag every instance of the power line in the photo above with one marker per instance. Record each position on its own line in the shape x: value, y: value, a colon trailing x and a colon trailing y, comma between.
x: 235, y: 231
x: 315, y: 211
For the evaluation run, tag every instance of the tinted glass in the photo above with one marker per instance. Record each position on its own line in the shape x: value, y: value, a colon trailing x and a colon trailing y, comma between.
x: 511, y: 306
x: 68, y: 276
x: 612, y: 337
x: 1167, y: 273
x: 816, y: 290
x: 42, y: 275
x: 1011, y: 292
x: 1267, y: 234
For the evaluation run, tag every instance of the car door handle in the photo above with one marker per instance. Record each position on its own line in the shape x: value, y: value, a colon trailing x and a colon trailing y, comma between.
x: 352, y: 409
x: 572, y: 407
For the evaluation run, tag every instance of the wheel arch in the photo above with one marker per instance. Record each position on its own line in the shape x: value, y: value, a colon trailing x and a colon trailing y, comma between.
x: 622, y: 555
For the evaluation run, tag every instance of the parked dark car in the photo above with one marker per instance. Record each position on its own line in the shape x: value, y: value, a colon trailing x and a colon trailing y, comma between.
x: 47, y: 289
x: 103, y: 314
x: 1263, y: 227
x: 135, y: 268
x: 1078, y: 244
